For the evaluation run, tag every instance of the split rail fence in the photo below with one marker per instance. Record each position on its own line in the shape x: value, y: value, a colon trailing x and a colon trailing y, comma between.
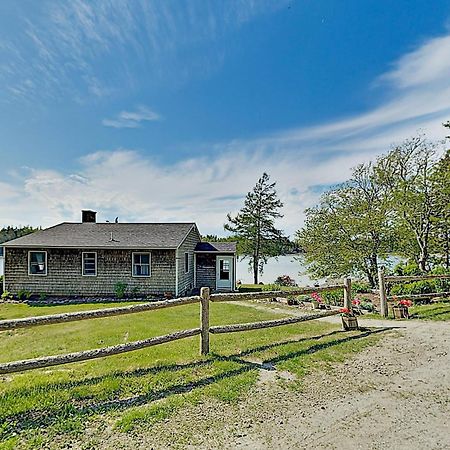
x: 383, y: 281
x: 204, y: 330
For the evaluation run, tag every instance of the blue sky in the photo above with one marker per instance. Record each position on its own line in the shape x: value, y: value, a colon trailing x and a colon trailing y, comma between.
x: 170, y: 110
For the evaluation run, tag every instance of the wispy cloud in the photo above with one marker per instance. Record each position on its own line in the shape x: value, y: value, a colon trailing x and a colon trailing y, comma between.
x: 303, y: 161
x: 132, y: 119
x: 65, y: 46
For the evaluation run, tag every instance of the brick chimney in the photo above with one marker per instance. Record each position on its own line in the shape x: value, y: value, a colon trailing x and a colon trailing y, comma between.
x: 88, y: 216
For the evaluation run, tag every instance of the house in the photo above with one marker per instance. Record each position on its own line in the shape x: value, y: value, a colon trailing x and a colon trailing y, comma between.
x: 90, y: 259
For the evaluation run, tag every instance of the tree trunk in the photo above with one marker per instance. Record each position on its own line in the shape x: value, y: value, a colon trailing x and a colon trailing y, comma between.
x: 255, y: 269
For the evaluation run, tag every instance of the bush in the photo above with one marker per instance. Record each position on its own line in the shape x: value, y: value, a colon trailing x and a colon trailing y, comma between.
x: 6, y: 296
x: 121, y: 288
x: 244, y: 288
x: 21, y: 295
x: 285, y: 280
x: 361, y: 287
x: 1, y: 284
x: 335, y: 297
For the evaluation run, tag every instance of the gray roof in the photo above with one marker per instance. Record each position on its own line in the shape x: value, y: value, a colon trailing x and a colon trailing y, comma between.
x: 216, y: 247
x: 98, y: 235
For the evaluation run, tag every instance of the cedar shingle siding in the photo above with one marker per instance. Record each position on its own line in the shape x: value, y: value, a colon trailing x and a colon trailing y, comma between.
x: 114, y: 244
x: 64, y: 273
x: 206, y: 270
x: 186, y: 280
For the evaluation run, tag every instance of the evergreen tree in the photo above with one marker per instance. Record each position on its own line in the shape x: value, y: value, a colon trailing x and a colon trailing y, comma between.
x: 254, y: 226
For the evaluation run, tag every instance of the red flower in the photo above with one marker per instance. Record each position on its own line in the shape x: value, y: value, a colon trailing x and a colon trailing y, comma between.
x: 407, y: 303
x: 344, y: 311
x: 316, y: 297
x: 356, y: 302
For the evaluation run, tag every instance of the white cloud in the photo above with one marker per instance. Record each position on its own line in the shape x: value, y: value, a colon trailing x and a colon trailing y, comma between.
x: 132, y: 119
x: 204, y: 189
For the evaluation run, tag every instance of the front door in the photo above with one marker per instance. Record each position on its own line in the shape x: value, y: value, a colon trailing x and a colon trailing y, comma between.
x: 224, y: 273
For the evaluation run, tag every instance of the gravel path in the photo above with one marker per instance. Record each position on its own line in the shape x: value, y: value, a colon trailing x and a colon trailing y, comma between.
x: 395, y: 395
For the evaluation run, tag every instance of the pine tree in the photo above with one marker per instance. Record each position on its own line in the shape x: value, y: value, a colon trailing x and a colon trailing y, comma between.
x: 254, y: 226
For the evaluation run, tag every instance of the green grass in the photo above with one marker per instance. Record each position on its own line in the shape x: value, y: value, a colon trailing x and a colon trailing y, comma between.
x: 433, y: 311
x: 142, y: 387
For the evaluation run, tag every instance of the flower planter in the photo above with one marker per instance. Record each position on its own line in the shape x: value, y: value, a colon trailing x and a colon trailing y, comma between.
x: 315, y: 304
x: 400, y: 312
x: 350, y: 323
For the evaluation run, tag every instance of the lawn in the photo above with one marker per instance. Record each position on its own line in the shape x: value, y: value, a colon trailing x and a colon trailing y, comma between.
x: 139, y: 388
x: 433, y: 311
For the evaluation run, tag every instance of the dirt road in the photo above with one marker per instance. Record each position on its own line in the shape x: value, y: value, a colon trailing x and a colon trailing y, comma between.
x: 395, y: 395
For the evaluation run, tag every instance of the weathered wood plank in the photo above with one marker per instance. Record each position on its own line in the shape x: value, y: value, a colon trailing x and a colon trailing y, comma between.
x: 95, y: 314
x: 48, y: 361
x: 268, y: 323
x: 240, y: 296
x: 428, y: 295
x: 204, y: 320
x: 401, y: 279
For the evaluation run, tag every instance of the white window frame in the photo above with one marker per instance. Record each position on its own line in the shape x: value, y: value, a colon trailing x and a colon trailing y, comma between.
x: 149, y: 264
x: 186, y: 262
x: 45, y: 262
x: 82, y: 265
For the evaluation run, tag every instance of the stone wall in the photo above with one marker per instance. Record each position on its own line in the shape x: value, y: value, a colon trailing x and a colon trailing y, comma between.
x: 64, y: 273
x: 186, y: 279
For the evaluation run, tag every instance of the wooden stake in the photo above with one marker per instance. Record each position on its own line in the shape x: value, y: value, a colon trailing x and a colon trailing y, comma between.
x: 204, y: 319
x: 383, y: 296
x: 348, y: 293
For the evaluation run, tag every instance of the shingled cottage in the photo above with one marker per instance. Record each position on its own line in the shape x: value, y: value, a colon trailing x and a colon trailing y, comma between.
x: 90, y: 258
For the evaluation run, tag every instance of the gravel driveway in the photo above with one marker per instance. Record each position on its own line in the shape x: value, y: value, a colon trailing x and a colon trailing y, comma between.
x: 395, y: 395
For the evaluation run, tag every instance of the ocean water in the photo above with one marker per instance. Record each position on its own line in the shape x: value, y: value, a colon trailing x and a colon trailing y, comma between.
x: 283, y: 265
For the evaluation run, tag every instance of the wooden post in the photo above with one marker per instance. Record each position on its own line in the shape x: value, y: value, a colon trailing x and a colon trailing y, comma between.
x: 204, y: 320
x: 383, y: 296
x: 348, y: 293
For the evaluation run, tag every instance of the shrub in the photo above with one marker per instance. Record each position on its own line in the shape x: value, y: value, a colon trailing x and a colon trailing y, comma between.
x: 1, y: 284
x: 361, y: 287
x: 244, y: 288
x: 22, y: 294
x: 121, y: 288
x: 285, y: 280
x: 335, y: 297
x: 6, y: 296
x: 42, y: 297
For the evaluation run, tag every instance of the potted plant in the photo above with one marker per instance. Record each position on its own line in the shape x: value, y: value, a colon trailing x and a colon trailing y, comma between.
x: 401, y: 309
x: 349, y: 320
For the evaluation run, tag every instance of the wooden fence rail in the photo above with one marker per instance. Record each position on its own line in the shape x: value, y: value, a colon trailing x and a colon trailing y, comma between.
x: 204, y: 331
x: 268, y: 323
x: 241, y: 296
x: 383, y: 279
x: 95, y: 314
x: 48, y: 361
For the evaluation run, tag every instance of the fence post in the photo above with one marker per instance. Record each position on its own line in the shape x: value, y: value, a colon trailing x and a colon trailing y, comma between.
x: 204, y: 320
x: 383, y: 296
x: 348, y: 293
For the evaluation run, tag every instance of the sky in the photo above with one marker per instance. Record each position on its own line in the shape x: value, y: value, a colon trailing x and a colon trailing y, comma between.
x: 171, y: 110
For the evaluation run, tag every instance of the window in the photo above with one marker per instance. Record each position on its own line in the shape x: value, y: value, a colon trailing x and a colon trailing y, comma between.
x: 89, y: 264
x: 186, y: 262
x: 37, y: 263
x: 141, y: 264
x: 224, y: 269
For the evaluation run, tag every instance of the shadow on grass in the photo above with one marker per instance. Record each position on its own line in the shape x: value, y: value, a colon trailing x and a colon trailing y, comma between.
x: 431, y: 314
x: 38, y: 418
